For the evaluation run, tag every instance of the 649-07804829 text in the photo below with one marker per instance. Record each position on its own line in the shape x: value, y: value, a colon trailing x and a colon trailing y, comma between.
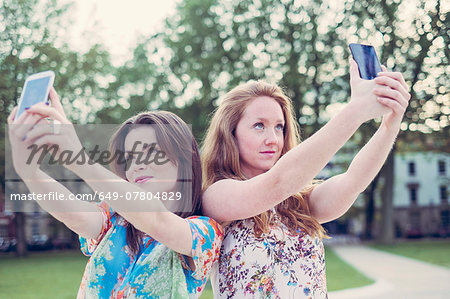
x: 141, y: 195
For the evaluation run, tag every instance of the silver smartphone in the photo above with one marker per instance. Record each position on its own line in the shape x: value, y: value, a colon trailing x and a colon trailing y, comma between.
x: 35, y: 90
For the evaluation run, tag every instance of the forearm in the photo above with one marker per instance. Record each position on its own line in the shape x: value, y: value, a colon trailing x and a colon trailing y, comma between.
x: 121, y: 196
x: 368, y: 162
x: 80, y: 216
x: 311, y: 156
x: 149, y: 215
x: 335, y: 196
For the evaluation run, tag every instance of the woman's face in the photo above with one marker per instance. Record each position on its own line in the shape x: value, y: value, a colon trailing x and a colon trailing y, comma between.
x: 259, y: 134
x: 149, y: 166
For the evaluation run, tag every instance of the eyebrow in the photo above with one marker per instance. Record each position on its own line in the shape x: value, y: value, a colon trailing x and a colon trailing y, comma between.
x: 144, y: 147
x: 266, y: 120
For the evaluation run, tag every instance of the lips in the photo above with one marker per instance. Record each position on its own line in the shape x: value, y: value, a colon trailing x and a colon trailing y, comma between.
x: 142, y: 179
x: 269, y: 154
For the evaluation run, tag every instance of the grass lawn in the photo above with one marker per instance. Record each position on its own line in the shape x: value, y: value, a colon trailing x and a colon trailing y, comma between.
x: 431, y: 251
x: 41, y: 275
x: 341, y: 275
x: 44, y: 275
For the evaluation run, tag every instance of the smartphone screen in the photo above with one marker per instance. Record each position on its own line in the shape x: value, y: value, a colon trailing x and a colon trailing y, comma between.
x: 367, y: 60
x: 35, y: 91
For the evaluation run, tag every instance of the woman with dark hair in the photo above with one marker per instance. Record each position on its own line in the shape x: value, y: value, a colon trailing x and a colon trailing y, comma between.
x: 144, y: 248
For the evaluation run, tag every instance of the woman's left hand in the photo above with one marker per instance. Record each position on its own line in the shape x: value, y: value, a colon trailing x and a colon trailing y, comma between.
x: 394, y: 95
x: 60, y: 133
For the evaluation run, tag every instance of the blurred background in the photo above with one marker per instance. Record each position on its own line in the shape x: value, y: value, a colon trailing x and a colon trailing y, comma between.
x: 113, y: 59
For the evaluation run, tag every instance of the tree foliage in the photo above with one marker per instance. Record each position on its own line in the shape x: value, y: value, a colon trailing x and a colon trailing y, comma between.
x: 211, y: 46
x: 32, y: 40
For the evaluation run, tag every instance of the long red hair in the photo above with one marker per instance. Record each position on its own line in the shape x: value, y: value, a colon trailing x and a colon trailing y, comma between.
x: 220, y: 154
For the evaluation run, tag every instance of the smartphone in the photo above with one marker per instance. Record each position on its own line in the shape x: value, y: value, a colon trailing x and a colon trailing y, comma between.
x: 367, y: 60
x: 35, y: 90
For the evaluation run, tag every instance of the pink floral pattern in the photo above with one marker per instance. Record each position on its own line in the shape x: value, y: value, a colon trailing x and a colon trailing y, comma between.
x: 275, y: 265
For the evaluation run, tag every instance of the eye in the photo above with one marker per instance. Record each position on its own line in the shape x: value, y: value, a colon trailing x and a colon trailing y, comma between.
x: 279, y: 127
x: 258, y: 126
x: 128, y: 157
x: 128, y: 161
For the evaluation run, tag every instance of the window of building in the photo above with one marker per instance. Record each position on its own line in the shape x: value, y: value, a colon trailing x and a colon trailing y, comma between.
x: 35, y: 227
x: 412, y: 168
x: 445, y: 219
x: 3, y: 231
x: 413, y: 194
x: 443, y: 193
x: 441, y: 167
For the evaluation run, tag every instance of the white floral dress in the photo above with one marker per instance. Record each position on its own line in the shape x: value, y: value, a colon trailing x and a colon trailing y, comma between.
x: 274, y: 265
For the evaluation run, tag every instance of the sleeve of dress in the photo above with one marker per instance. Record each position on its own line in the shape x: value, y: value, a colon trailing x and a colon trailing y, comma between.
x: 88, y: 246
x: 207, y: 237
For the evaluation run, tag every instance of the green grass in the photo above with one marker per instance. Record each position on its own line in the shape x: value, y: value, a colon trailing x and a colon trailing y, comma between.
x: 434, y: 252
x: 41, y: 275
x: 58, y: 275
x: 341, y: 275
x: 207, y: 292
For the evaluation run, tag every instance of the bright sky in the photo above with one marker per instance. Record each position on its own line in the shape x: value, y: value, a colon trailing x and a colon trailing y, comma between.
x: 117, y: 23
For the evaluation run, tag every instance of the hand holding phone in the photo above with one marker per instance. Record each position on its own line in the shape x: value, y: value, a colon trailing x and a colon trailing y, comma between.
x: 367, y: 60
x: 35, y: 90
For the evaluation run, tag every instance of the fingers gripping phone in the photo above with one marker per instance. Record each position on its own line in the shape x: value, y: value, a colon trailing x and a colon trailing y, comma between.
x: 35, y: 90
x: 367, y: 60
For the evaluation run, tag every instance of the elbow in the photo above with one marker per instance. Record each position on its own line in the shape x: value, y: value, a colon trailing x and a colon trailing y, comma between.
x: 279, y: 187
x: 221, y: 215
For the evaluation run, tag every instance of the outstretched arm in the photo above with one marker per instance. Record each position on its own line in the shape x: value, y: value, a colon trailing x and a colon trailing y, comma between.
x: 149, y: 216
x: 83, y: 218
x: 229, y: 200
x: 334, y: 197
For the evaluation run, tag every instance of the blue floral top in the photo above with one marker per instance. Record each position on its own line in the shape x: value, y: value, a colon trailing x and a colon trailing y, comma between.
x: 156, y: 271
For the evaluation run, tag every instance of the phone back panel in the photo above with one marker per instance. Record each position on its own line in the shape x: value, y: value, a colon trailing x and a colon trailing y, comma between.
x: 366, y: 58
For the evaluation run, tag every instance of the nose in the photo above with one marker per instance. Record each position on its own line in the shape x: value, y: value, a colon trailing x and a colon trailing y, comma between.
x: 271, y: 137
x: 134, y: 167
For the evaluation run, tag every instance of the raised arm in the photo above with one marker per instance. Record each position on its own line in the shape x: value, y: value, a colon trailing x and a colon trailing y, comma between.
x: 229, y: 200
x: 149, y: 216
x: 334, y: 197
x: 81, y: 217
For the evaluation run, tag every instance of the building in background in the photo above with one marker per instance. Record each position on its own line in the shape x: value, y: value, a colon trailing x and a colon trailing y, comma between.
x: 420, y: 199
x: 421, y: 194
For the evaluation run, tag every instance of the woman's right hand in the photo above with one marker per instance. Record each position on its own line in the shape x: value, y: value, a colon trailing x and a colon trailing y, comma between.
x: 363, y: 96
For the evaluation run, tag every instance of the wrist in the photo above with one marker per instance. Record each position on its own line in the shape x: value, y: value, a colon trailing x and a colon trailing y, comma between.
x: 353, y: 111
x: 35, y: 176
x: 391, y: 127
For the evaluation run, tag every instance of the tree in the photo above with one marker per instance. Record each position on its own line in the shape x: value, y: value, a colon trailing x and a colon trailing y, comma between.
x: 30, y: 42
x: 211, y: 46
x: 414, y: 45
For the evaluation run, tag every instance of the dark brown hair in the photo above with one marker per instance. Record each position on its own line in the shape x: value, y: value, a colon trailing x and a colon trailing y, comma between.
x: 175, y: 139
